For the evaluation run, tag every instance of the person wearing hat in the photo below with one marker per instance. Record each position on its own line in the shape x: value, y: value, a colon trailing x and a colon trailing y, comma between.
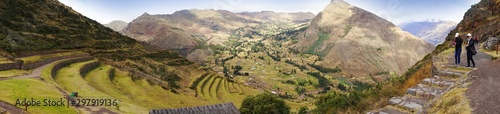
x: 471, y: 50
x: 458, y: 48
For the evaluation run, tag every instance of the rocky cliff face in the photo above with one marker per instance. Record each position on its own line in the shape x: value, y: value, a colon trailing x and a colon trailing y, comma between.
x: 360, y: 42
x: 432, y: 32
x: 482, y: 20
x: 117, y: 25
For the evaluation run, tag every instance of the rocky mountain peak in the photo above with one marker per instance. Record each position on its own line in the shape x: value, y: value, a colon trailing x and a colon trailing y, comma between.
x: 337, y: 1
x: 349, y: 37
x: 145, y: 14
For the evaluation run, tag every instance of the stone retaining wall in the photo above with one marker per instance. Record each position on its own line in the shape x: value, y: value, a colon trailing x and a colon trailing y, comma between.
x: 88, y: 67
x: 226, y: 108
x: 62, y: 64
x: 139, y: 74
x: 34, y: 65
x: 13, y: 65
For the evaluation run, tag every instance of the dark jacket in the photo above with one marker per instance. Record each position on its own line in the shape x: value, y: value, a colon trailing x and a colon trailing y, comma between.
x: 471, y: 44
x: 458, y: 42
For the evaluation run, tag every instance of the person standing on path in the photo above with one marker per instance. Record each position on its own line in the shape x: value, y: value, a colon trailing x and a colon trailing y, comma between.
x: 458, y: 48
x: 471, y: 50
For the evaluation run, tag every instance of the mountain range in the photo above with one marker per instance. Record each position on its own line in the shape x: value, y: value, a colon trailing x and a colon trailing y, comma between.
x: 432, y: 32
x: 185, y: 30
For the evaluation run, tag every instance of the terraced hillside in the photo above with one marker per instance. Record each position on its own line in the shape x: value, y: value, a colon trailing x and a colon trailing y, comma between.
x: 93, y: 79
x: 217, y: 89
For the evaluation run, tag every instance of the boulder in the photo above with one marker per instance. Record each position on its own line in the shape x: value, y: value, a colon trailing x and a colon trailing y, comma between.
x: 490, y: 43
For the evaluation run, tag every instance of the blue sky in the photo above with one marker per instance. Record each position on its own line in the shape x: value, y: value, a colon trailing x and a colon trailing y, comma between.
x: 396, y: 11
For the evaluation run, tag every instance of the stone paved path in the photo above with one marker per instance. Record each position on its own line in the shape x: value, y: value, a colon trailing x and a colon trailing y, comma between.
x: 446, y: 76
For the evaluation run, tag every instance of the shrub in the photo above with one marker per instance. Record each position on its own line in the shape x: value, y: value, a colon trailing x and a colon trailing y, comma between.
x: 326, y: 70
x: 300, y: 90
x: 301, y: 67
x: 301, y: 82
x: 342, y: 87
x: 303, y: 110
x: 265, y: 103
x: 382, y: 73
x: 323, y: 82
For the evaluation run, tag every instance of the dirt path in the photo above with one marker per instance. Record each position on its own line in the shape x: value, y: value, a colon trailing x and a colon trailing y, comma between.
x: 37, y: 71
x: 11, y: 108
x: 485, y: 88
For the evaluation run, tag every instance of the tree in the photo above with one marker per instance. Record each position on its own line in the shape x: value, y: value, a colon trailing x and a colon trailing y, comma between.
x: 300, y: 90
x: 303, y: 110
x: 265, y: 103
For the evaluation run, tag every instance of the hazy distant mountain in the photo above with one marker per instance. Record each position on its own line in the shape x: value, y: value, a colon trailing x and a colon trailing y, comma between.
x: 117, y: 25
x: 432, y: 32
x: 359, y: 42
x: 264, y: 16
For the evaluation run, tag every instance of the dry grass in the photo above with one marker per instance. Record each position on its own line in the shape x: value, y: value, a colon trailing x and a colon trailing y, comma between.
x: 453, y: 102
x: 491, y: 53
x: 4, y: 60
x: 418, y: 76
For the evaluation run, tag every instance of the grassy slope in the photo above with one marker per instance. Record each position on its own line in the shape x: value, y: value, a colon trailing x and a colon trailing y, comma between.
x: 36, y: 58
x: 228, y: 96
x: 14, y: 89
x: 214, y: 88
x: 99, y: 79
x: 151, y: 96
x: 206, y: 88
x: 70, y: 79
x: 14, y: 72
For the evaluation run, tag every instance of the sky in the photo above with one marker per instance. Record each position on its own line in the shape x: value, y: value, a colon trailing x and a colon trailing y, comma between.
x: 396, y: 11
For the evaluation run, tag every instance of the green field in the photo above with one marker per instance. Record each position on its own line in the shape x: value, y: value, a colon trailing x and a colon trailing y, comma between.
x: 14, y: 72
x: 14, y: 89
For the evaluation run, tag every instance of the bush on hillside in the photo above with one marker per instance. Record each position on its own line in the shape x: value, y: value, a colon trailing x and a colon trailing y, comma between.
x: 326, y: 70
x: 303, y: 110
x: 265, y: 103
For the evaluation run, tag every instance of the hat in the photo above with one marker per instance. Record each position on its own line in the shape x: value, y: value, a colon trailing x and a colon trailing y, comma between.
x: 456, y: 34
x: 469, y: 34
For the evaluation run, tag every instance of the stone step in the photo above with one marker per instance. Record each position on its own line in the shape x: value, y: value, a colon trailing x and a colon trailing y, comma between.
x: 412, y: 104
x: 390, y: 110
x: 438, y: 82
x: 424, y: 92
x: 450, y: 74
